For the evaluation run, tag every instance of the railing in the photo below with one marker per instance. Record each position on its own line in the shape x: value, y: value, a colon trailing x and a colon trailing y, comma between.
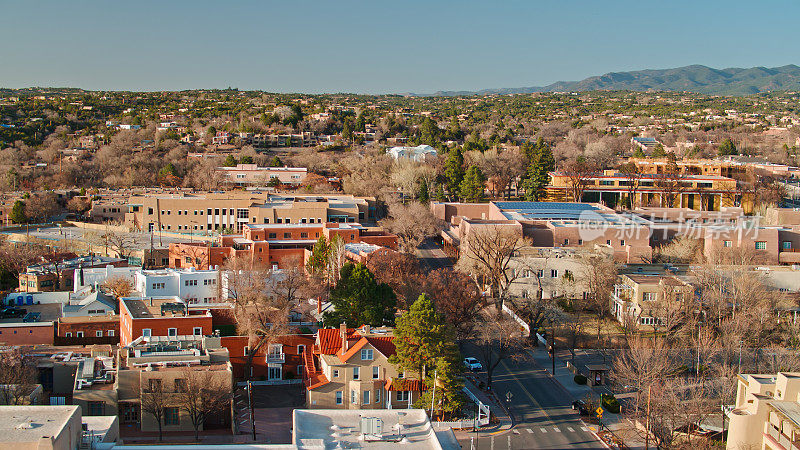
x: 516, y: 318
x: 271, y: 382
x: 276, y: 357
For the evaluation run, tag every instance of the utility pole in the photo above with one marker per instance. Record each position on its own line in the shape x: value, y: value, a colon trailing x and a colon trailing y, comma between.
x: 433, y: 395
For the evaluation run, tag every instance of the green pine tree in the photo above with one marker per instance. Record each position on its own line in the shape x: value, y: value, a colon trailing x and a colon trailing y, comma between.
x: 638, y: 153
x: 246, y: 160
x: 230, y: 161
x: 319, y: 256
x: 421, y: 335
x: 358, y: 299
x: 18, y: 212
x: 473, y: 185
x: 440, y: 197
x: 454, y: 170
x: 275, y: 162
x: 448, y: 397
x: 538, y: 174
x: 422, y: 194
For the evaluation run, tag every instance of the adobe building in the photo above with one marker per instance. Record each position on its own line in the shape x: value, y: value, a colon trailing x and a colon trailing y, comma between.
x: 161, y: 316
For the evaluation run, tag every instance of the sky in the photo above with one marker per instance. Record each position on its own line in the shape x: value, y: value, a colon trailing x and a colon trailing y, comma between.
x: 376, y: 47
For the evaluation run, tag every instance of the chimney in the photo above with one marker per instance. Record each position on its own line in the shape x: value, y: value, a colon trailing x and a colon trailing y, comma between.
x: 366, y: 329
x: 343, y: 336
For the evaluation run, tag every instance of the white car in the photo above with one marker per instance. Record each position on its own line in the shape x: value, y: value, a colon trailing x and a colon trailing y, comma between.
x: 472, y: 364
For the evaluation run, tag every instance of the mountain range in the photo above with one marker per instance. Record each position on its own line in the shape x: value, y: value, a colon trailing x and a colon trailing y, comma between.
x: 694, y: 78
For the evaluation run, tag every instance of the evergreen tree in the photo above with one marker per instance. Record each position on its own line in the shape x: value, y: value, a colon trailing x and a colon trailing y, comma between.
x: 658, y: 151
x: 727, y: 147
x: 18, y: 212
x: 246, y: 160
x: 319, y: 256
x: 440, y: 197
x: 169, y: 169
x: 638, y: 153
x: 230, y: 161
x: 358, y: 299
x: 425, y: 344
x: 422, y: 195
x: 473, y: 185
x: 212, y: 131
x: 421, y: 335
x: 538, y: 174
x: 454, y: 170
x: 275, y: 162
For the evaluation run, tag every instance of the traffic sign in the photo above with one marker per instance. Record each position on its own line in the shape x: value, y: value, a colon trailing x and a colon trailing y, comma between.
x: 599, y: 411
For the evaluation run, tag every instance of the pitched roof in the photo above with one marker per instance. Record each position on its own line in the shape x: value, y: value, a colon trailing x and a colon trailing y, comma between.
x: 329, y: 340
x: 404, y: 384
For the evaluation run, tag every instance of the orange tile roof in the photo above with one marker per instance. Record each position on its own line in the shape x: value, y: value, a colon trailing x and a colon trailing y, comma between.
x: 404, y: 384
x: 317, y: 380
x: 329, y: 340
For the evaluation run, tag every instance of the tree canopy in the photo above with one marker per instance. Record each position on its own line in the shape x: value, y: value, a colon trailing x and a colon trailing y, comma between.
x: 358, y: 299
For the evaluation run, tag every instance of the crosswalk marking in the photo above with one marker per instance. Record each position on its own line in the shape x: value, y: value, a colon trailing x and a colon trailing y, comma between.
x: 584, y: 429
x: 544, y: 430
x: 571, y: 429
x: 529, y: 430
x: 556, y: 429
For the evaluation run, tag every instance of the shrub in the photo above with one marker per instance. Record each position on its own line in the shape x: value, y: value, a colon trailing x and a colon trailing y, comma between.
x: 580, y: 379
x: 610, y: 403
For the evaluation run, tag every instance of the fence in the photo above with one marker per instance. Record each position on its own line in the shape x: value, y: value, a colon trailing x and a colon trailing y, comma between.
x: 484, y: 413
x: 516, y: 318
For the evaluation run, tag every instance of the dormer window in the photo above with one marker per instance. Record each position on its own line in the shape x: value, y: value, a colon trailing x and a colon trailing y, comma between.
x: 366, y: 354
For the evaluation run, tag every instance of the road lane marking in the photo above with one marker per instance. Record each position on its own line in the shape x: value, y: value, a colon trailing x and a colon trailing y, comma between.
x: 571, y: 430
x: 544, y: 430
x: 556, y: 429
x: 584, y: 429
x: 529, y: 430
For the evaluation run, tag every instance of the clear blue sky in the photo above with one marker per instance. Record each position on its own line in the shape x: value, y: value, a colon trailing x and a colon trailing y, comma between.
x: 379, y: 46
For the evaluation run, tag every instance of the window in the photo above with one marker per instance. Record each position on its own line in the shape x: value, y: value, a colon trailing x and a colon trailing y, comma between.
x: 68, y: 334
x: 622, y: 242
x: 338, y: 397
x: 761, y: 245
x: 365, y: 399
x: 110, y: 333
x: 181, y: 385
x: 649, y: 296
x: 160, y: 285
x: 377, y: 395
x: 727, y: 243
x: 301, y: 349
x: 356, y: 373
x: 287, y: 235
x: 171, y: 416
x: 786, y: 245
x: 155, y: 384
x: 79, y: 334
x: 376, y: 372
x: 353, y: 397
x: 554, y: 273
x: 97, y: 408
x: 197, y: 331
x: 190, y: 283
x: 146, y: 332
x: 402, y: 396
x: 303, y: 235
x: 98, y: 333
x: 366, y: 354
x: 580, y: 241
x: 274, y: 373
x: 335, y: 373
x: 172, y: 332
x: 272, y: 236
x: 566, y: 241
x: 608, y: 241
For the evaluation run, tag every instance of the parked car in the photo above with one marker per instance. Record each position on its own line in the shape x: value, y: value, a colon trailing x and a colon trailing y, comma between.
x: 10, y: 312
x: 580, y: 406
x: 472, y: 364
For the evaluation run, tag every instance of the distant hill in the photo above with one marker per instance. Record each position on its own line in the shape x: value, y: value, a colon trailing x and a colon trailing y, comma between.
x: 695, y: 78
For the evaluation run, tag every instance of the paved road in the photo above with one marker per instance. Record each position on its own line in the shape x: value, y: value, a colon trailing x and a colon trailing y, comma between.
x: 541, y: 409
x: 432, y: 256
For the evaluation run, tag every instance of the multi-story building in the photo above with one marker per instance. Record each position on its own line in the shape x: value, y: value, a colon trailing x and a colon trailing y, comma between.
x: 160, y: 365
x: 350, y: 369
x: 58, y: 276
x: 281, y: 359
x: 252, y: 175
x: 191, y: 286
x: 643, y: 298
x: 699, y: 192
x: 161, y: 316
x: 278, y: 245
x: 767, y: 412
x: 87, y: 330
x: 203, y: 213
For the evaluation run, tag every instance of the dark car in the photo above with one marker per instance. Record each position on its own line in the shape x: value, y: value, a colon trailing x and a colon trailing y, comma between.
x: 580, y: 406
x: 12, y: 312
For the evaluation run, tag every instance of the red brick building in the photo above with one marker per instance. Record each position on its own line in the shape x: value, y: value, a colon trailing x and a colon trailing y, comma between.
x: 166, y: 316
x: 20, y: 333
x: 87, y: 330
x: 280, y: 360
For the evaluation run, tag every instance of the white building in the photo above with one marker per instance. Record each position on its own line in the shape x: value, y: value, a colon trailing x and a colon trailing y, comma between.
x: 192, y: 286
x: 418, y: 153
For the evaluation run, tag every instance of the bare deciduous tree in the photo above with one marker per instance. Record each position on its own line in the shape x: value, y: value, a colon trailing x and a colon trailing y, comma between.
x: 16, y: 378
x: 412, y: 223
x: 498, y: 338
x: 154, y: 401
x: 486, y: 255
x: 202, y: 395
x: 118, y: 286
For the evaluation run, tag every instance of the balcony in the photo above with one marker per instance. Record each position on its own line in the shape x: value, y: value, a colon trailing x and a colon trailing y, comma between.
x: 779, y: 439
x: 276, y: 358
